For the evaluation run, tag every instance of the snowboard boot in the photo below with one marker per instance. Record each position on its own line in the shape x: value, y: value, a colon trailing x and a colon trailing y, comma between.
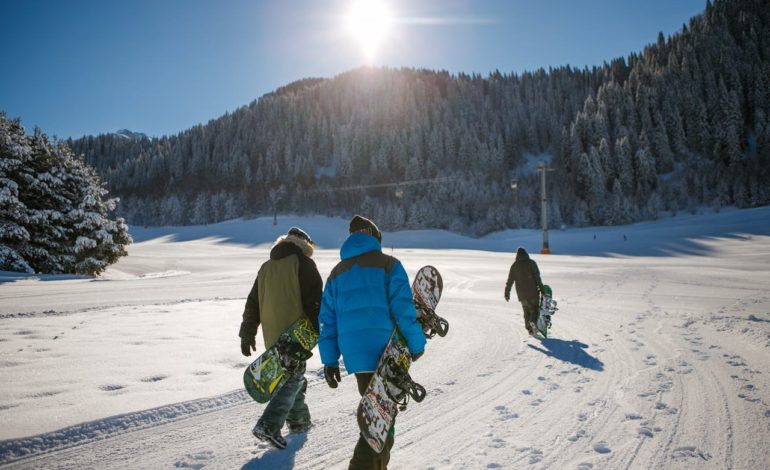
x: 265, y: 432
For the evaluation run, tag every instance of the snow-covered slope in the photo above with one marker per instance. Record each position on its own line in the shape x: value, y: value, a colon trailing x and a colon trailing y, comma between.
x: 659, y: 355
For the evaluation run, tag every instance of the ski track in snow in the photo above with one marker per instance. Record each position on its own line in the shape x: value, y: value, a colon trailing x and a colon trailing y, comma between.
x: 653, y: 363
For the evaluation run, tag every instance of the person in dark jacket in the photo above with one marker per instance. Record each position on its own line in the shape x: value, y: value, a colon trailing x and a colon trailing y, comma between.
x: 529, y: 287
x: 366, y: 295
x: 288, y: 287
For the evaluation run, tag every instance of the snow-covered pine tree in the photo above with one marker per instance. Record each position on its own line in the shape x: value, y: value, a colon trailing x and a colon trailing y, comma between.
x: 53, y: 218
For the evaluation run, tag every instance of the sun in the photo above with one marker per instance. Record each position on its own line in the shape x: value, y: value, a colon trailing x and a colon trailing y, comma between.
x: 369, y: 22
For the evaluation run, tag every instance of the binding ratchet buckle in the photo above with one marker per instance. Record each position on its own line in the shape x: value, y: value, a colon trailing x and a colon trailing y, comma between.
x: 397, y: 376
x: 431, y: 323
x: 292, y: 353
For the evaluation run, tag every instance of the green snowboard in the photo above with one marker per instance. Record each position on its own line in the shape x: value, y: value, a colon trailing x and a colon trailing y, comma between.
x: 269, y: 372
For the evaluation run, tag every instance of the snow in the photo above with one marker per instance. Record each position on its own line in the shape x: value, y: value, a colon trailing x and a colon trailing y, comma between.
x: 659, y: 355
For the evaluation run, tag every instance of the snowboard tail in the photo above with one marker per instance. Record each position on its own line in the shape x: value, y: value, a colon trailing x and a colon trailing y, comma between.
x: 267, y: 374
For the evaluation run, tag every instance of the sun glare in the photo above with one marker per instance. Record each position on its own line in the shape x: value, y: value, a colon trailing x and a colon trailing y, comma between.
x: 369, y: 22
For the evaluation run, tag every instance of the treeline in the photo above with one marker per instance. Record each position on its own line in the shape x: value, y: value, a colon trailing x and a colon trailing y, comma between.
x: 684, y: 123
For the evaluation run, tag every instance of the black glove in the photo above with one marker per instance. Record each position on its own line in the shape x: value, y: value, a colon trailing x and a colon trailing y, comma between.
x: 507, y: 296
x: 416, y: 356
x: 332, y: 375
x: 248, y: 345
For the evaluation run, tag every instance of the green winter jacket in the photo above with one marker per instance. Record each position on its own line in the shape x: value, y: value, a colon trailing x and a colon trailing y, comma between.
x: 288, y: 287
x: 279, y: 297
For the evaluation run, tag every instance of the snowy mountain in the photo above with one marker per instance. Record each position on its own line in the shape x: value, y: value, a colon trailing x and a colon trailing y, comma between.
x: 127, y: 134
x: 681, y: 124
x: 658, y: 357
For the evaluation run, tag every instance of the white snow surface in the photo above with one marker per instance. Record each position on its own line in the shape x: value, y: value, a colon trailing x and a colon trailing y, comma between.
x: 659, y: 356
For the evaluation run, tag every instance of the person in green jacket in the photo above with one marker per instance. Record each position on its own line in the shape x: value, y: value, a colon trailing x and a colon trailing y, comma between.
x: 288, y: 287
x: 529, y: 287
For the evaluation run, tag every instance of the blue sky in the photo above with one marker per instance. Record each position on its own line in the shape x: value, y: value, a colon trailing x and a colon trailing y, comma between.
x: 161, y: 66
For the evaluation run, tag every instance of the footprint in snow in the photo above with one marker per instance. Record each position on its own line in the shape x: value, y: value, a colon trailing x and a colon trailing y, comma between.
x: 535, y: 455
x: 690, y: 452
x: 154, y: 378
x: 585, y: 466
x: 536, y: 402
x: 580, y: 433
x: 497, y: 443
x: 633, y: 416
x: 526, y: 392
x: 494, y: 465
x: 644, y: 431
x: 505, y: 413
x: 195, y: 461
x: 582, y: 417
x: 111, y: 387
x: 601, y: 447
x: 748, y: 398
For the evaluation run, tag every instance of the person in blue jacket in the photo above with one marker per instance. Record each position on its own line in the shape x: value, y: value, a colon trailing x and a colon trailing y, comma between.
x: 366, y: 295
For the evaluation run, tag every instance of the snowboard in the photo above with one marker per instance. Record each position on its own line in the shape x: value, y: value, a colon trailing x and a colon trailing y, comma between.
x: 547, y: 309
x: 391, y: 385
x: 263, y: 377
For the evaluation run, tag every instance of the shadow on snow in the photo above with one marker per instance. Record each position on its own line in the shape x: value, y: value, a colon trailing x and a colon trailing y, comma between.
x: 573, y: 352
x: 279, y: 459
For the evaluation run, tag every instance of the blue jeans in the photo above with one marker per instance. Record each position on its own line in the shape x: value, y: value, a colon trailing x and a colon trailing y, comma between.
x: 288, y: 403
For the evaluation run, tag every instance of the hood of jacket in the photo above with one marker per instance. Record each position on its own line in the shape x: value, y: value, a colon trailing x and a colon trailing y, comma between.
x: 288, y: 245
x: 357, y: 244
x: 521, y: 254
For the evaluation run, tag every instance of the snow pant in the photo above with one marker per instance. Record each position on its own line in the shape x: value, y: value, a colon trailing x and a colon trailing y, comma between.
x: 288, y: 403
x: 364, y: 458
x: 531, y: 311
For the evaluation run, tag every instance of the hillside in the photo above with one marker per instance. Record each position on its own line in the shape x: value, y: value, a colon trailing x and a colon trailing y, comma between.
x: 680, y: 124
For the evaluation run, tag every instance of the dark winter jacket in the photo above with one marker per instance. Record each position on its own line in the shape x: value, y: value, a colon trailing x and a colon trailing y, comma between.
x: 287, y: 287
x: 366, y: 295
x: 525, y: 274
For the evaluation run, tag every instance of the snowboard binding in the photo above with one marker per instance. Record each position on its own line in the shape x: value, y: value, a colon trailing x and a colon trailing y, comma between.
x: 399, y: 384
x: 431, y: 323
x: 292, y: 354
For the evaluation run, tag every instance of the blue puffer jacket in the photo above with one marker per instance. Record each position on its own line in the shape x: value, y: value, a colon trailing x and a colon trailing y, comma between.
x: 364, y: 294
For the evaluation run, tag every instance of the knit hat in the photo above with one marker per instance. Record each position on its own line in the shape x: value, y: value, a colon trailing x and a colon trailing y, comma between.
x: 301, y: 234
x: 359, y: 223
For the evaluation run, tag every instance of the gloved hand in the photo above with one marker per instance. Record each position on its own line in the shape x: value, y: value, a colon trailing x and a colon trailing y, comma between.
x: 416, y: 356
x: 332, y: 375
x: 507, y: 296
x: 248, y: 345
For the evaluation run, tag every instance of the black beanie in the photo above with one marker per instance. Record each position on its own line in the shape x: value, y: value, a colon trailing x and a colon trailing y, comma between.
x: 359, y: 223
x: 299, y: 233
